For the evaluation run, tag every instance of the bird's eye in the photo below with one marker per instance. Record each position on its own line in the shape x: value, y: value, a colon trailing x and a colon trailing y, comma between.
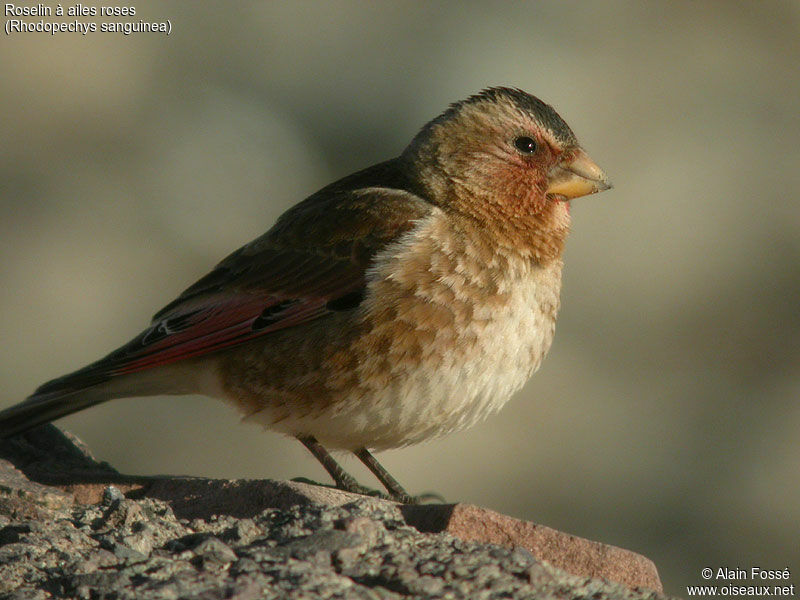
x: 525, y: 145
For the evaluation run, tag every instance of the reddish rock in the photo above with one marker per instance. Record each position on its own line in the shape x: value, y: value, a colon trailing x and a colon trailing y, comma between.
x: 573, y: 554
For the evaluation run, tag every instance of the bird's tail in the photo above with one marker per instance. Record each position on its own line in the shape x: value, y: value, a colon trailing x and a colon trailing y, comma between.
x: 84, y: 388
x: 43, y: 408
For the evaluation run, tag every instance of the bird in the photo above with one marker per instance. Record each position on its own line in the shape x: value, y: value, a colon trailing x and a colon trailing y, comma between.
x: 403, y: 302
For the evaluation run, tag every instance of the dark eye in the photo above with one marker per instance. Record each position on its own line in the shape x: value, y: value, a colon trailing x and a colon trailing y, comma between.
x: 525, y: 145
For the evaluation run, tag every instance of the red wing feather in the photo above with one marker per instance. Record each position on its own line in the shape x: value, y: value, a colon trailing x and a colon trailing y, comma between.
x: 219, y: 324
x: 229, y: 310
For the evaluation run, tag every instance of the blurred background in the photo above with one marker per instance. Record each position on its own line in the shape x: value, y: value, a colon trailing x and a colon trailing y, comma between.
x: 666, y: 417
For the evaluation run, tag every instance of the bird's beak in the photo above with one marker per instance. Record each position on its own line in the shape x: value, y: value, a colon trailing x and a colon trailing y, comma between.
x: 577, y: 176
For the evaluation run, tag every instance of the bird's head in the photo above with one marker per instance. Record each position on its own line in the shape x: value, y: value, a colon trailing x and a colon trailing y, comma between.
x: 503, y: 154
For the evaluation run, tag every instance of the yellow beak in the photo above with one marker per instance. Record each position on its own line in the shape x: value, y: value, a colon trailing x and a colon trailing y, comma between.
x: 578, y: 177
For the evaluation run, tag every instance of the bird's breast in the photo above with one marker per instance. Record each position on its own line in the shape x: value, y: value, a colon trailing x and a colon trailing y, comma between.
x: 453, y: 327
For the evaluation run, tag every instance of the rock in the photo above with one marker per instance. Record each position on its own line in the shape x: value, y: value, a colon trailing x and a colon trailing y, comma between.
x: 213, y: 551
x: 573, y: 554
x: 86, y: 531
x: 21, y: 498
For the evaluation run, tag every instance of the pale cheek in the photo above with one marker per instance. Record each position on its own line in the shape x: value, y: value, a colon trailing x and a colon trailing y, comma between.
x: 561, y: 217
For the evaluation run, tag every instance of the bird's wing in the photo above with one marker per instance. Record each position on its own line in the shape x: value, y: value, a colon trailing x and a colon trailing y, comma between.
x: 273, y: 290
x: 310, y: 264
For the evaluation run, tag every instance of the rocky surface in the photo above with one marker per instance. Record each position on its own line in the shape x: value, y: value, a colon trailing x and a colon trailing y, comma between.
x: 67, y: 530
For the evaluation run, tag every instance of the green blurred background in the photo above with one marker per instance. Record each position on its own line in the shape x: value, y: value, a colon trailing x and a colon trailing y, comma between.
x: 665, y: 419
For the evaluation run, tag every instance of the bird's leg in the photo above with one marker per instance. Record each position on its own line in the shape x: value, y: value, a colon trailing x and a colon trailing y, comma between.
x: 344, y: 481
x: 395, y: 490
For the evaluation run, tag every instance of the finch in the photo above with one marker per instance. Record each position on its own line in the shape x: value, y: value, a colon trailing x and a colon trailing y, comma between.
x: 403, y: 302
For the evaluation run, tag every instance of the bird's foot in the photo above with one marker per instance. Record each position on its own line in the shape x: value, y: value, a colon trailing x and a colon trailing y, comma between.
x: 362, y: 490
x: 351, y: 486
x: 429, y: 498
